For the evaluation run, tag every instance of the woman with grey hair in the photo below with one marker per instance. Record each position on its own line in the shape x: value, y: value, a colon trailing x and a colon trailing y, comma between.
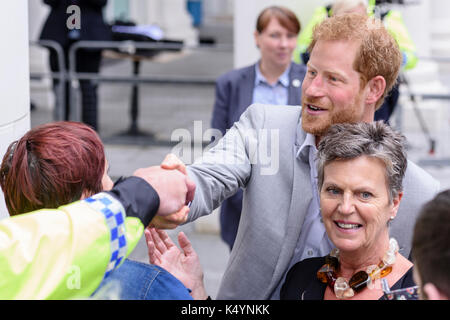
x: 360, y: 172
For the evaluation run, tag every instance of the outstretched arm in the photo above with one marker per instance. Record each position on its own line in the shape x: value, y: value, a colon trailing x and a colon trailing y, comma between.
x: 65, y: 253
x: 228, y: 166
x: 171, y: 162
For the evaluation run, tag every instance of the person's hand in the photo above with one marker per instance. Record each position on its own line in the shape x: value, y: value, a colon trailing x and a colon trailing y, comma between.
x: 184, y: 264
x: 174, y: 188
x: 171, y: 221
x: 172, y: 162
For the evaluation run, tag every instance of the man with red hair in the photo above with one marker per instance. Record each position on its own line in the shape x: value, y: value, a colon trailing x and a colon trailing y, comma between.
x: 354, y: 62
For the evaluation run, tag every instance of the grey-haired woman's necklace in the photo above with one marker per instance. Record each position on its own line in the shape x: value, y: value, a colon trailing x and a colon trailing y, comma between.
x: 344, y: 289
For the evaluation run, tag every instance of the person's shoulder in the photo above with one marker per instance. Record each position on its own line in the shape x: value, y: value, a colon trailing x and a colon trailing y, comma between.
x: 408, y: 278
x: 296, y: 67
x: 277, y: 116
x: 418, y: 180
x: 301, y: 276
x: 298, y: 71
x: 303, y: 269
x: 394, y: 14
x: 236, y: 74
x: 321, y: 10
x: 275, y: 110
x: 310, y: 264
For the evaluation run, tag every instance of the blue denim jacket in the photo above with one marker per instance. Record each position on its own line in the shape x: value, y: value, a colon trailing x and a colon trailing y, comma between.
x: 140, y: 281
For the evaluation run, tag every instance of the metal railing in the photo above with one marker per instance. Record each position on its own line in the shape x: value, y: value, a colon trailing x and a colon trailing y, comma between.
x: 133, y: 50
x: 61, y: 75
x: 136, y: 51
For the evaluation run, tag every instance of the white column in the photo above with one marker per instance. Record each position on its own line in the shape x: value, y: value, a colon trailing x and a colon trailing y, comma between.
x: 41, y: 90
x: 14, y: 79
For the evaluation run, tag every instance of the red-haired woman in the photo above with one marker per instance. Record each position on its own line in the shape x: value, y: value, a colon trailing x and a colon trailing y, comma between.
x: 52, y: 165
x: 58, y: 163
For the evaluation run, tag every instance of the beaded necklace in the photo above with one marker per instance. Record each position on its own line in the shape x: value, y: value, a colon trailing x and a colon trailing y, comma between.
x: 360, y: 280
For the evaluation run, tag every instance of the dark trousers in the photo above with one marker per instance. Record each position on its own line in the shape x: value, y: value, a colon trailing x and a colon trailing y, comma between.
x: 86, y: 61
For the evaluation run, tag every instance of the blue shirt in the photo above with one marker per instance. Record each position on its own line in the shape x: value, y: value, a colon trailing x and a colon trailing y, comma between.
x: 271, y: 94
x: 313, y: 240
x: 135, y: 280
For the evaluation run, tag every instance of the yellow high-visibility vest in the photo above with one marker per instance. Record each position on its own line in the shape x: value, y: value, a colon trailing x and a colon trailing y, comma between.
x: 65, y: 253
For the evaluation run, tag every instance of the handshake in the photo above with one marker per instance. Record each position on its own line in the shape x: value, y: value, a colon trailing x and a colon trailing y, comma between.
x: 176, y: 191
x: 174, y: 188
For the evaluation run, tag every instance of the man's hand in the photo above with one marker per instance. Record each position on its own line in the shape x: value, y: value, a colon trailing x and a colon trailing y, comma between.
x: 171, y: 221
x: 172, y: 162
x: 184, y: 264
x: 174, y: 188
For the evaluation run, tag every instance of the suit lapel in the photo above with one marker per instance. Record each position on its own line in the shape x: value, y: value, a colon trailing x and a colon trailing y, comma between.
x: 245, y: 90
x: 296, y: 76
x: 300, y: 198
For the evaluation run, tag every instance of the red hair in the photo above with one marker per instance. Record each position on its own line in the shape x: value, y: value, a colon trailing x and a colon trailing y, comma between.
x: 285, y: 17
x: 52, y: 165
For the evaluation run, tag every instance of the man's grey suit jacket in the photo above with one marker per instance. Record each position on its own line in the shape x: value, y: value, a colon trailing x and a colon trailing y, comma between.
x: 234, y: 93
x: 276, y: 197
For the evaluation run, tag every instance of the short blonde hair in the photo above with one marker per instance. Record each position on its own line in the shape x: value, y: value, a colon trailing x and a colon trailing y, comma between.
x: 378, y: 55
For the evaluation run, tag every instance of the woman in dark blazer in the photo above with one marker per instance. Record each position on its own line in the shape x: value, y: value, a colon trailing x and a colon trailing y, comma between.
x: 274, y: 79
x: 92, y: 27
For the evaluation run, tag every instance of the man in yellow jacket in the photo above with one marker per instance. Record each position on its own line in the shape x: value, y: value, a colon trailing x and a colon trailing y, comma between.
x: 65, y: 253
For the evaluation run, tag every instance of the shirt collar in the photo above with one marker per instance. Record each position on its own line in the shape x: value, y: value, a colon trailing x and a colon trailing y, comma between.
x: 283, y: 79
x: 303, y: 151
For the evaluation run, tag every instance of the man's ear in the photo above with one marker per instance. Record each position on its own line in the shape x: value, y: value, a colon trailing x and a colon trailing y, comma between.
x: 433, y: 293
x: 376, y: 87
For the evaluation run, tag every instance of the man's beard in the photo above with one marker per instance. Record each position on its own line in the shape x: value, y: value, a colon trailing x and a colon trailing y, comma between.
x: 319, y: 125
